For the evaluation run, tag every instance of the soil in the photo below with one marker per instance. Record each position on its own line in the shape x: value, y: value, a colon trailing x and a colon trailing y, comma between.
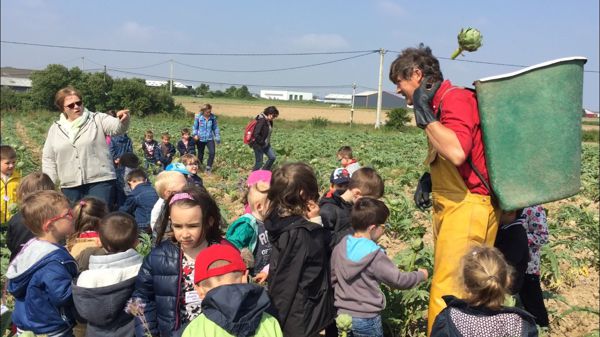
x: 31, y: 146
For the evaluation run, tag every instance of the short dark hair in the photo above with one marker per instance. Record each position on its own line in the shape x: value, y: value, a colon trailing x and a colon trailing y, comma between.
x: 271, y: 110
x: 130, y: 160
x: 411, y: 59
x: 7, y: 152
x: 165, y: 135
x: 185, y: 130
x: 368, y: 211
x: 118, y: 232
x: 368, y: 181
x: 345, y: 152
x: 136, y: 174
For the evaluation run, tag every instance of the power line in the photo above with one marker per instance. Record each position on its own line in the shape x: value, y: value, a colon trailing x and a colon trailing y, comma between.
x: 275, y: 69
x: 234, y: 84
x: 180, y: 53
x: 489, y: 63
x: 129, y: 68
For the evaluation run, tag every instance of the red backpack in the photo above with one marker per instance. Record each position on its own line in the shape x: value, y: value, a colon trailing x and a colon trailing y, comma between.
x: 249, y: 132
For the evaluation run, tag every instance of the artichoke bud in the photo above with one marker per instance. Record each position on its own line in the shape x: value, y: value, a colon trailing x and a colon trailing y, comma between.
x: 468, y: 40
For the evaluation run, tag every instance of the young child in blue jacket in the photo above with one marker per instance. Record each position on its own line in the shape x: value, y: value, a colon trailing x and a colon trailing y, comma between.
x: 141, y: 200
x: 166, y: 150
x: 40, y: 276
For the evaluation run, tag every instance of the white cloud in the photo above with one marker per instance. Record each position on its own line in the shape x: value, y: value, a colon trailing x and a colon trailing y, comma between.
x: 391, y: 8
x: 138, y: 31
x: 320, y: 42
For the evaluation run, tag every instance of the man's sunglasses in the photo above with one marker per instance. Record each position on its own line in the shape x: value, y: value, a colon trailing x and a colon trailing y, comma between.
x: 72, y: 105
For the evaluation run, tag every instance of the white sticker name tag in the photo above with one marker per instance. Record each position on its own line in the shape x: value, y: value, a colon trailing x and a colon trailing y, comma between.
x: 192, y: 297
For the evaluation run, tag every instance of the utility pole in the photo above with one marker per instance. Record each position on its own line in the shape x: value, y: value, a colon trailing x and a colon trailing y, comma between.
x: 82, y: 63
x: 104, y: 74
x: 171, y: 78
x: 379, y: 88
x: 352, y: 106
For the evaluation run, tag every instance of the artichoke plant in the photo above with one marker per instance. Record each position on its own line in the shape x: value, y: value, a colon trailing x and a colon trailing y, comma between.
x: 468, y: 40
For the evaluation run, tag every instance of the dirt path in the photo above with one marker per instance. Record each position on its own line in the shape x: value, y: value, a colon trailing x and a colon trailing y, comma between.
x: 31, y: 146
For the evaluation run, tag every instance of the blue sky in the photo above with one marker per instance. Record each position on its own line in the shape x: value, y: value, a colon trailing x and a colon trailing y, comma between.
x: 515, y: 32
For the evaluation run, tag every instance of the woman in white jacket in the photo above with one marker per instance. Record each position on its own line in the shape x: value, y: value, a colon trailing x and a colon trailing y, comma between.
x: 75, y: 153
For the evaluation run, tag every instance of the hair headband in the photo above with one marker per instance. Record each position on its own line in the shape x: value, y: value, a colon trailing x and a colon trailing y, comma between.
x: 180, y: 196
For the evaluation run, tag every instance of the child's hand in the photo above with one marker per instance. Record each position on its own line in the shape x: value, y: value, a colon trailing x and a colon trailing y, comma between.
x: 196, y: 137
x: 117, y: 161
x: 260, y: 278
x: 424, y: 271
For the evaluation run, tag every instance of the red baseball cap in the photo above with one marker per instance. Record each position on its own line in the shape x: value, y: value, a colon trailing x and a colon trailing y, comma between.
x: 215, y: 253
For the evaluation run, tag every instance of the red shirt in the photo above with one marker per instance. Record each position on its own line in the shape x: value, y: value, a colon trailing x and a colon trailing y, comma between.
x: 461, y: 115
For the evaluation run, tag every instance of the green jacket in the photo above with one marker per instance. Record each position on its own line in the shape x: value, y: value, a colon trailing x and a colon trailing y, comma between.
x: 202, y: 326
x: 243, y: 232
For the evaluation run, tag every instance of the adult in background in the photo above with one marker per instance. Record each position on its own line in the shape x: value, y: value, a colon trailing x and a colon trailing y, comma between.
x: 75, y: 153
x: 206, y: 133
x: 463, y: 214
x: 261, y: 143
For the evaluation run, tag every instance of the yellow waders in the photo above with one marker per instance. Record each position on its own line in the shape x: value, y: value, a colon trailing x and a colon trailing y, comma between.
x: 461, y: 219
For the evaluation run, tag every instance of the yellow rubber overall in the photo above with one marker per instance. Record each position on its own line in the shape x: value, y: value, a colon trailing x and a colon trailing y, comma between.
x: 461, y: 219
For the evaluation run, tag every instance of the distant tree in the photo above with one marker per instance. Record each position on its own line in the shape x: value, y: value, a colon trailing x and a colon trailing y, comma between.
x: 397, y: 118
x: 243, y: 92
x: 45, y: 83
x: 203, y: 89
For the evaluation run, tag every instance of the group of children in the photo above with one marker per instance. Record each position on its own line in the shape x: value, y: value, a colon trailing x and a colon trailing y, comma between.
x: 287, y: 267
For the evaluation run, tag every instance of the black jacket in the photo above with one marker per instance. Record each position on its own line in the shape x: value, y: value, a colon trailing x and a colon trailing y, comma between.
x: 17, y: 234
x: 299, y: 275
x: 512, y: 241
x: 261, y: 130
x: 479, y: 321
x: 335, y: 213
x: 237, y: 308
x: 189, y: 149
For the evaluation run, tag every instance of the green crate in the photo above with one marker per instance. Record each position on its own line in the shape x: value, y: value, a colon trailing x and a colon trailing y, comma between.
x: 531, y: 123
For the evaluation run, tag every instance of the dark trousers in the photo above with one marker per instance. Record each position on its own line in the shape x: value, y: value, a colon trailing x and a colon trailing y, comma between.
x: 103, y: 190
x: 259, y: 152
x: 532, y: 299
x: 211, y: 152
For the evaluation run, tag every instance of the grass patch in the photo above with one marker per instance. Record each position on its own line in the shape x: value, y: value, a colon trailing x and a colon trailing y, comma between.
x: 592, y: 136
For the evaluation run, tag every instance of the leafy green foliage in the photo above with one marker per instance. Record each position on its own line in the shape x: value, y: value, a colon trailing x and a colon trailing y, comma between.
x: 319, y: 122
x: 397, y: 118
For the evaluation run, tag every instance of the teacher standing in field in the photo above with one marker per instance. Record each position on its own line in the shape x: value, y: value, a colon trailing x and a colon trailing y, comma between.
x: 463, y: 214
x: 75, y: 153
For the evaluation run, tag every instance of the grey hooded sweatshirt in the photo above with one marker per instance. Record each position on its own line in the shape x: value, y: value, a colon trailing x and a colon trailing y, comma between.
x: 358, y: 267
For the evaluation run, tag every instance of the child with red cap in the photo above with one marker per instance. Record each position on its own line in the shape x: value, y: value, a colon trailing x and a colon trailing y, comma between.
x: 230, y: 307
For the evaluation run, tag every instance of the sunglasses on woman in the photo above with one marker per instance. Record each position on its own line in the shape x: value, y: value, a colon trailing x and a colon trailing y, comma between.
x: 72, y: 105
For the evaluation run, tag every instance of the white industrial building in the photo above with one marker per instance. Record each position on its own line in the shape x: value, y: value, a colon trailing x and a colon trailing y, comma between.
x: 285, y: 95
x: 338, y: 99
x: 153, y: 83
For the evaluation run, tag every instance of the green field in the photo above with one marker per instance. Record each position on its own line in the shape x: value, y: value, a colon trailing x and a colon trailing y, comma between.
x: 572, y: 256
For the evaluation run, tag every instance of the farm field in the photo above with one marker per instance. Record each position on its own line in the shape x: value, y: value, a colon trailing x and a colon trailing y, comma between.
x: 570, y: 263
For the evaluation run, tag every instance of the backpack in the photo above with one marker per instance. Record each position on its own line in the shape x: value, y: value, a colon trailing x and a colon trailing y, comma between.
x: 249, y: 132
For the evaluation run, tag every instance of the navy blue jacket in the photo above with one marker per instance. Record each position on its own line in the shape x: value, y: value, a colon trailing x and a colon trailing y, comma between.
x: 119, y: 145
x: 40, y: 280
x: 190, y: 149
x: 140, y: 202
x: 159, y: 286
x: 166, y: 160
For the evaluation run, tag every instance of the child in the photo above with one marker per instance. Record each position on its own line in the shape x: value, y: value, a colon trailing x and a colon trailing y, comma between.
x: 141, y: 200
x: 166, y: 150
x: 40, y: 275
x: 206, y: 133
x: 119, y: 145
x: 151, y: 150
x: 359, y: 265
x: 534, y: 220
x: 229, y: 307
x: 186, y: 145
x: 102, y: 292
x: 166, y: 184
x: 10, y: 181
x: 127, y: 163
x: 17, y: 234
x: 335, y: 211
x: 299, y: 282
x: 486, y: 278
x: 339, y: 180
x: 191, y: 165
x: 87, y: 215
x: 344, y: 155
x: 248, y: 231
x: 166, y: 279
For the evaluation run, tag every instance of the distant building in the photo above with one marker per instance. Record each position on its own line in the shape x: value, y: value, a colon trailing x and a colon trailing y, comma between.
x: 153, y: 83
x: 284, y: 95
x: 15, y: 78
x: 368, y: 99
x: 338, y: 99
x: 590, y: 114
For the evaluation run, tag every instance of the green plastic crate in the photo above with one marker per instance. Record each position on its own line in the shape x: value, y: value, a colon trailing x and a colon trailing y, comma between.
x: 531, y: 123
